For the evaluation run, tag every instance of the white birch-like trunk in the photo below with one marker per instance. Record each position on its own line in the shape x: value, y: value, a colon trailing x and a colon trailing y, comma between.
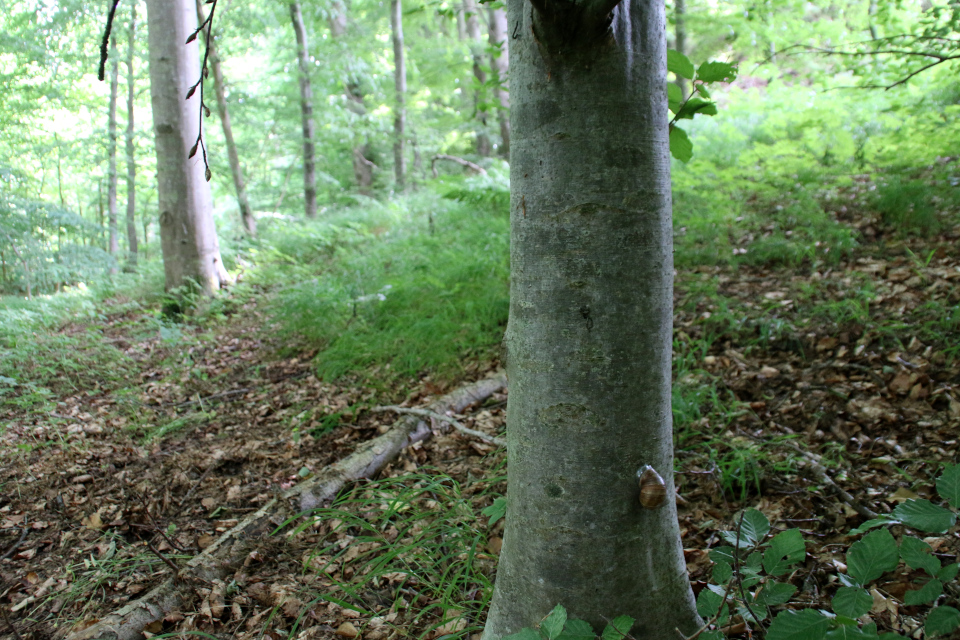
x: 188, y: 237
x: 589, y: 336
x: 306, y: 112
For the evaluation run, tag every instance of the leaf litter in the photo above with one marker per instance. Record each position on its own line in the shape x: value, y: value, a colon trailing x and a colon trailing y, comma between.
x: 855, y: 364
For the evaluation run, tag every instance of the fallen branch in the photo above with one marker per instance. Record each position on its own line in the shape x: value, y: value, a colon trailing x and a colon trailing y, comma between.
x: 423, y: 413
x: 16, y: 545
x: 459, y: 161
x: 227, y: 553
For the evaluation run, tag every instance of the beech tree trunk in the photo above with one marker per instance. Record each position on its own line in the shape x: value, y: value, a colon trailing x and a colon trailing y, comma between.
x: 477, y: 47
x: 400, y: 84
x: 113, y: 246
x: 213, y: 57
x: 589, y: 336
x: 306, y: 112
x: 680, y: 31
x: 499, y: 65
x: 188, y: 236
x: 131, y: 160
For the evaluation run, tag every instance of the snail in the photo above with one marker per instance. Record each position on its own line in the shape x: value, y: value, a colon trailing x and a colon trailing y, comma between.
x: 653, y: 490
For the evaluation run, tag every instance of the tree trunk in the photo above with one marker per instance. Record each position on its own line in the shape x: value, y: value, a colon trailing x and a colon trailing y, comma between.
x: 188, y: 235
x: 131, y: 159
x: 114, y: 242
x: 400, y: 83
x: 589, y: 336
x: 306, y: 111
x: 680, y: 30
x: 246, y: 215
x: 477, y: 47
x: 338, y: 19
x: 499, y: 65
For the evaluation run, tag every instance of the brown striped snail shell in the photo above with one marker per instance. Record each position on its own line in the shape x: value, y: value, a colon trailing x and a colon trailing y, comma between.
x: 653, y: 490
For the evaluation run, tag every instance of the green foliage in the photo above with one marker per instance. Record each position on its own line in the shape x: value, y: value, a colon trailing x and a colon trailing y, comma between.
x: 686, y: 107
x: 906, y: 205
x: 557, y: 625
x: 396, y: 299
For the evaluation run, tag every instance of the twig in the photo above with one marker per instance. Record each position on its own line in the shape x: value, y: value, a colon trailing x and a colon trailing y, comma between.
x: 16, y: 545
x: 166, y: 560
x: 105, y: 43
x: 16, y: 634
x: 818, y: 469
x: 424, y: 413
x: 460, y: 161
x: 716, y: 616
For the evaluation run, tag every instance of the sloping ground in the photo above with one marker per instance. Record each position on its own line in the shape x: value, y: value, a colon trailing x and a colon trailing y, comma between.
x: 117, y: 484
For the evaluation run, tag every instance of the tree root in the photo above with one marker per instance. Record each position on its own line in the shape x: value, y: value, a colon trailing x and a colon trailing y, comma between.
x: 228, y: 552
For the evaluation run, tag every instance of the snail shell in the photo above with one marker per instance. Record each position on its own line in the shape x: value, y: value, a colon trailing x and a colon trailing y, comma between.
x: 653, y: 490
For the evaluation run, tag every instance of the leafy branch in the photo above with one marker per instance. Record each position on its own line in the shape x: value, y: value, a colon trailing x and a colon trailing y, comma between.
x: 698, y: 102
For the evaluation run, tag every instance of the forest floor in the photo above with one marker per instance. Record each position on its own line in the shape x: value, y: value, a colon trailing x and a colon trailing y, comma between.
x: 106, y: 486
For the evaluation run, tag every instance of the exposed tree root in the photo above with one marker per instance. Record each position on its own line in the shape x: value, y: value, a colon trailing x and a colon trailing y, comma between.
x: 229, y: 551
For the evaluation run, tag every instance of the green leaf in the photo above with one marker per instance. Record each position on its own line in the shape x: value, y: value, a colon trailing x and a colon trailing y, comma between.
x: 618, y: 628
x: 948, y: 485
x: 715, y: 634
x: 755, y: 613
x: 942, y: 621
x: 925, y: 594
x: 774, y: 593
x: 552, y: 625
x: 524, y: 634
x: 755, y: 526
x: 872, y: 524
x: 923, y: 515
x: 786, y: 548
x: 702, y: 90
x: 852, y: 602
x: 850, y: 632
x: 948, y: 572
x: 695, y: 106
x: 577, y: 630
x: 495, y: 511
x: 873, y: 556
x: 722, y: 554
x: 679, y: 64
x: 717, y: 72
x: 674, y: 97
x: 680, y: 146
x: 798, y: 625
x: 722, y: 572
x: 708, y: 603
x: 918, y: 555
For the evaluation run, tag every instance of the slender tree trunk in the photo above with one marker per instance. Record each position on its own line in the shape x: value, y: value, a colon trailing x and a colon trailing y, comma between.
x: 306, y: 111
x: 871, y: 15
x: 131, y: 158
x: 114, y: 243
x: 589, y: 336
x: 338, y: 19
x: 246, y: 214
x: 188, y: 235
x: 100, y: 213
x: 400, y: 83
x: 680, y: 30
x: 461, y: 24
x: 499, y: 64
x: 477, y: 47
x: 26, y: 267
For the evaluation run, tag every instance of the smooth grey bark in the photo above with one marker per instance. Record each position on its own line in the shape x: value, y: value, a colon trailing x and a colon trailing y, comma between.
x: 400, y: 85
x: 306, y: 112
x: 499, y: 65
x: 680, y: 33
x: 219, y: 88
x: 338, y: 19
x: 188, y: 236
x: 131, y: 159
x: 113, y: 246
x: 474, y: 39
x: 589, y: 337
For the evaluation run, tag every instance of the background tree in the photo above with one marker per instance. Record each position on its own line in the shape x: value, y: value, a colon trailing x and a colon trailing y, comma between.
x: 306, y: 109
x: 400, y: 85
x: 129, y: 145
x: 113, y: 245
x: 191, y: 251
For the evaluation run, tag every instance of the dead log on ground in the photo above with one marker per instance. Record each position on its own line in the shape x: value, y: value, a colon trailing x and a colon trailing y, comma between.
x: 227, y: 553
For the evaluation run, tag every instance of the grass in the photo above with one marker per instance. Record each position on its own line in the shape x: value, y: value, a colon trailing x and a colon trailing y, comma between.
x: 419, y: 537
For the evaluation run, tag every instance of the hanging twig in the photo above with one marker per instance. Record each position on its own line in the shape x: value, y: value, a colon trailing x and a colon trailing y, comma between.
x: 204, y: 110
x: 460, y: 161
x: 105, y: 43
x: 424, y: 413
